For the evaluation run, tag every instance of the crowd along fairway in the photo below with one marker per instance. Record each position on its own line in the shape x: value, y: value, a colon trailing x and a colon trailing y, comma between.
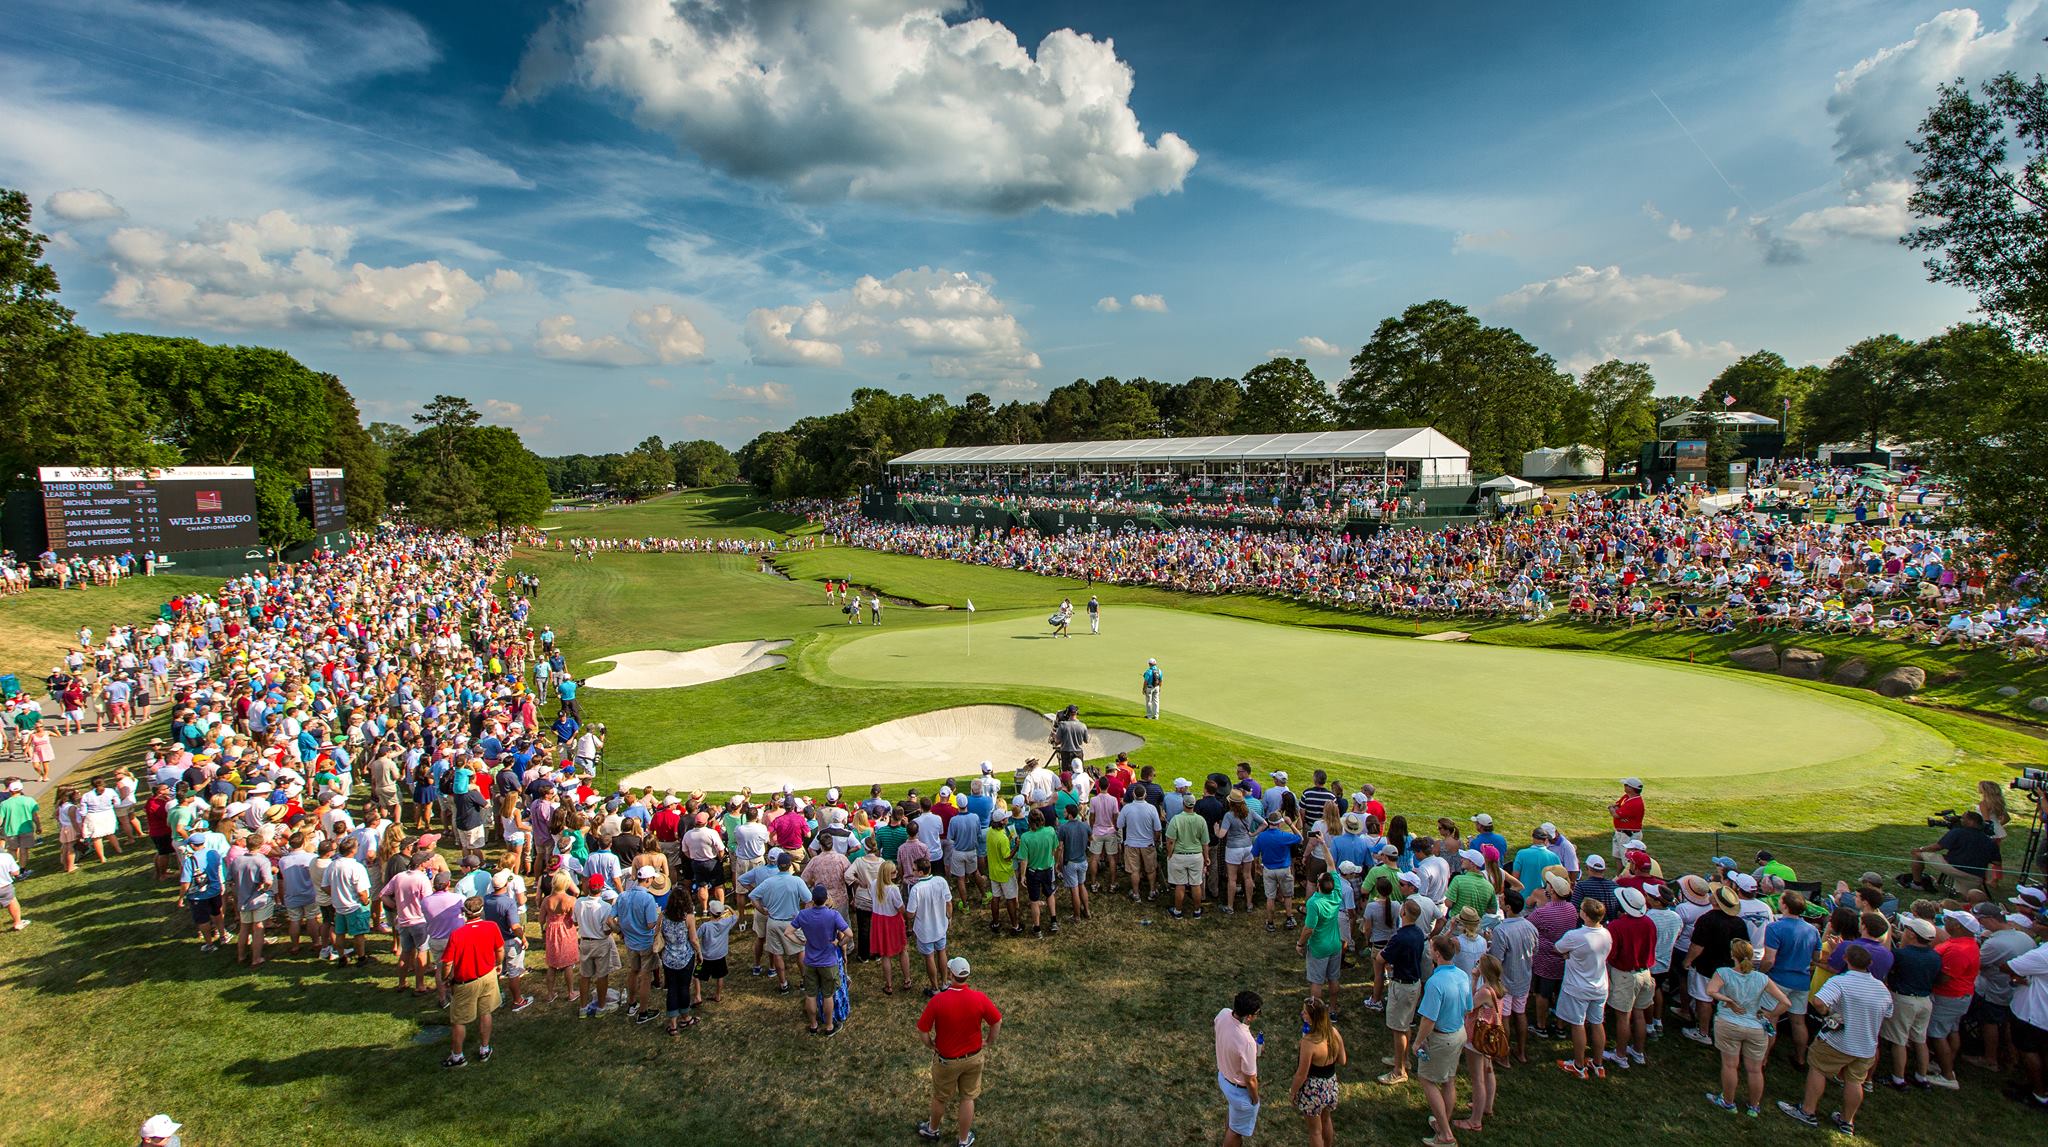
x: 1483, y: 712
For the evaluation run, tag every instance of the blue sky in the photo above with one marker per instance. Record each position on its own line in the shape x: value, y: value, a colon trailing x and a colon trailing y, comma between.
x: 614, y: 218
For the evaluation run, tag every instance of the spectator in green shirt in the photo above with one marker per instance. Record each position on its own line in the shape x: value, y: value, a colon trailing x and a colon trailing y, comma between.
x: 1002, y: 872
x: 890, y: 836
x: 1470, y: 888
x: 18, y: 815
x: 1187, y: 836
x: 1040, y: 849
x: 1320, y: 939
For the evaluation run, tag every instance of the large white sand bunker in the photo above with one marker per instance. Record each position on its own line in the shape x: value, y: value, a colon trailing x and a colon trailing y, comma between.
x: 950, y: 742
x: 668, y: 669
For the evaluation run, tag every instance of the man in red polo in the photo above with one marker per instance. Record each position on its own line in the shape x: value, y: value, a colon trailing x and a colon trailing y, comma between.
x: 951, y: 1024
x: 469, y: 966
x: 1628, y: 815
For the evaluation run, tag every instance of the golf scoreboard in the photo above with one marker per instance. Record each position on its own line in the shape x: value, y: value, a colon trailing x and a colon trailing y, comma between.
x: 94, y: 510
x: 329, y: 504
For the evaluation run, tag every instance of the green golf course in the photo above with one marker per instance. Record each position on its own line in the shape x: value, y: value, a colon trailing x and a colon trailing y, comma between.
x: 1498, y: 714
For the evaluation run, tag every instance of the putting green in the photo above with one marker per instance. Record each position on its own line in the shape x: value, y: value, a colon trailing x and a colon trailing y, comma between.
x: 1486, y: 712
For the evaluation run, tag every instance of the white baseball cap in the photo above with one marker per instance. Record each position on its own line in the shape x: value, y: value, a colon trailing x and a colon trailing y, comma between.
x: 1597, y: 862
x: 1483, y: 820
x: 159, y: 1127
x: 959, y: 967
x: 988, y: 767
x: 1183, y: 783
x: 1635, y: 783
x: 646, y: 872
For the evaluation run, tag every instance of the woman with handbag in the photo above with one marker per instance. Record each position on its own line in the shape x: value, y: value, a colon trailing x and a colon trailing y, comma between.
x: 1489, y: 1040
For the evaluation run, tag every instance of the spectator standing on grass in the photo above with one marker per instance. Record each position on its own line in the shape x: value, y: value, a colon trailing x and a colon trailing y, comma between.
x: 1152, y: 682
x: 1631, y: 986
x: 1187, y: 842
x: 1315, y: 1073
x: 1750, y: 1002
x: 1952, y: 992
x: 1857, y: 1006
x: 2028, y: 972
x: 930, y: 907
x: 1440, y: 1037
x: 1274, y: 847
x: 1713, y: 937
x: 1403, y: 959
x: 1139, y: 825
x: 1320, y: 942
x: 1916, y: 968
x: 824, y: 935
x: 9, y: 872
x: 1074, y: 841
x: 1790, y: 944
x: 470, y: 968
x: 1627, y: 813
x: 1237, y: 1067
x: 2005, y: 937
x: 952, y: 1025
x: 1586, y: 982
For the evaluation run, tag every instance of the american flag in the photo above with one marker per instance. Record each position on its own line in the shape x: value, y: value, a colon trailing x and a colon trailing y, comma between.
x: 1727, y: 400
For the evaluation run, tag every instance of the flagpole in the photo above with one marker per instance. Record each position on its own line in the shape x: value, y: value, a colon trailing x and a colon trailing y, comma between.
x: 970, y: 629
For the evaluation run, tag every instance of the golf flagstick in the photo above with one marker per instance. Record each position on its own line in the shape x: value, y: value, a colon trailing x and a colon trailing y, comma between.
x: 970, y: 629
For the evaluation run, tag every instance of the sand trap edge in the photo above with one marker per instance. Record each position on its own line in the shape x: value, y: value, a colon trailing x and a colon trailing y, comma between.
x: 680, y: 669
x: 946, y: 742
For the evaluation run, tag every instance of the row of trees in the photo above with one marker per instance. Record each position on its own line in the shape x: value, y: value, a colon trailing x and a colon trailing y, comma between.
x: 644, y: 469
x: 134, y: 401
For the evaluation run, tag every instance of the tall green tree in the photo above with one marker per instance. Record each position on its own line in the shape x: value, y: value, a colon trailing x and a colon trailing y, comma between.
x: 703, y: 462
x: 1017, y: 423
x: 974, y: 422
x: 62, y: 406
x: 1985, y: 430
x: 1123, y: 410
x: 1868, y: 391
x: 1755, y: 381
x: 511, y: 490
x: 1202, y: 406
x: 1437, y: 365
x: 645, y: 469
x: 1282, y: 396
x: 1620, y: 409
x: 1983, y: 210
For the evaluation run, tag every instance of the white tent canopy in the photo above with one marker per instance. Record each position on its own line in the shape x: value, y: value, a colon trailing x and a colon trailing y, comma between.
x: 1510, y: 490
x: 1429, y: 451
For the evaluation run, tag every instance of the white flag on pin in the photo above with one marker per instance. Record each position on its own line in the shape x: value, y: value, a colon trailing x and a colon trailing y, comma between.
x: 970, y: 605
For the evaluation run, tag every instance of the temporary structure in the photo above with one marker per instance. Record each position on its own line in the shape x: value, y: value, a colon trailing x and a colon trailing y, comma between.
x: 1563, y: 462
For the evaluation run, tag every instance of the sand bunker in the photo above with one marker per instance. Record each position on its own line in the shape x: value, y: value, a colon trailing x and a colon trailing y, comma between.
x: 668, y: 669
x: 950, y: 742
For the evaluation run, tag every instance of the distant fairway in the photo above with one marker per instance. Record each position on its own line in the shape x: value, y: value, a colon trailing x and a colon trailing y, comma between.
x: 1483, y: 711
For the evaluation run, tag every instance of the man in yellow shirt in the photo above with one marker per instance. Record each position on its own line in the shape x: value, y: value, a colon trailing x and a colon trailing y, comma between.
x: 1002, y: 874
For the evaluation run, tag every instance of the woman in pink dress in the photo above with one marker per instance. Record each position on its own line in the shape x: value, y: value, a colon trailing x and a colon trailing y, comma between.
x: 42, y: 752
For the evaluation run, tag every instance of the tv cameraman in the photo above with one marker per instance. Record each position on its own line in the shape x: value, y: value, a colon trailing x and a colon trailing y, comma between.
x: 1963, y: 854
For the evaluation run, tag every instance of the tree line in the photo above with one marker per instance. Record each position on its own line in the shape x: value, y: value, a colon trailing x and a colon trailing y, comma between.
x: 135, y: 401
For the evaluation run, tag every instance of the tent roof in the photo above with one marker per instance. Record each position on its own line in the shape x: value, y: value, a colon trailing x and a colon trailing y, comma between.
x: 1719, y: 418
x: 1508, y: 482
x: 1408, y: 444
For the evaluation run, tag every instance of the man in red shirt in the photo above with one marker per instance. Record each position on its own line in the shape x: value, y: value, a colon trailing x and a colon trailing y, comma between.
x: 788, y: 830
x: 470, y: 967
x: 951, y: 1024
x: 1631, y: 989
x: 668, y: 829
x: 1961, y: 959
x: 157, y: 817
x: 1628, y: 815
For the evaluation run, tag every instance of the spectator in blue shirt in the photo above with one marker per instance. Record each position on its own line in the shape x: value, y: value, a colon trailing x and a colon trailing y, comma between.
x: 1275, y: 847
x: 1440, y: 1028
x: 638, y: 914
x: 199, y: 888
x: 1486, y: 835
x: 1790, y: 944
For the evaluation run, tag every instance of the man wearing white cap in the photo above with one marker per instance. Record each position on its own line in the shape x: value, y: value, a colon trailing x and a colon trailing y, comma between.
x: 1627, y: 812
x: 1151, y: 681
x: 160, y: 1131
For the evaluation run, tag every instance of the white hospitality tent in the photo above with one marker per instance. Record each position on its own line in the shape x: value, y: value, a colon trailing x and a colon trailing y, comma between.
x: 1418, y: 453
x: 1509, y: 490
x: 1563, y: 462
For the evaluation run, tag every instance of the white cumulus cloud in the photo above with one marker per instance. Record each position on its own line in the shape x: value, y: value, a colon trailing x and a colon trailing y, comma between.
x: 1664, y: 344
x: 83, y: 205
x: 278, y: 271
x: 1108, y: 304
x: 1878, y: 103
x: 660, y: 333
x: 952, y: 319
x: 882, y: 100
x: 1153, y: 303
x: 1604, y: 297
x: 769, y: 393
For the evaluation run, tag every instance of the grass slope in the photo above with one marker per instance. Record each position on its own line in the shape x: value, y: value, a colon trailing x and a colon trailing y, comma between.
x: 38, y: 626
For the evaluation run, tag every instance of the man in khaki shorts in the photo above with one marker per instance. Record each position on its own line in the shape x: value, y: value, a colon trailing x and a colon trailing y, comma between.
x: 470, y: 966
x: 951, y: 1025
x: 1857, y: 1007
x: 596, y: 956
x: 1440, y: 1029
